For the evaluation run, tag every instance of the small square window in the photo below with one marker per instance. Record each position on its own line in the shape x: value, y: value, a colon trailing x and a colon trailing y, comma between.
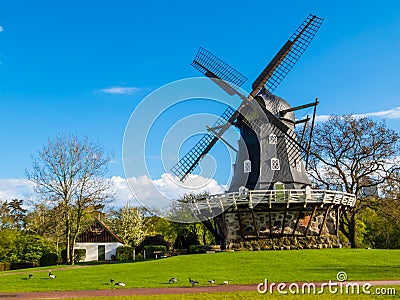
x: 273, y: 139
x: 247, y: 166
x: 275, y: 164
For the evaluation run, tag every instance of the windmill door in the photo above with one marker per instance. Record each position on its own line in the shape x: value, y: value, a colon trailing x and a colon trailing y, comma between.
x: 101, y: 250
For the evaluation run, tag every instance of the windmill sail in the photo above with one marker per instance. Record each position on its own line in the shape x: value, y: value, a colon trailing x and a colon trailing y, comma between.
x: 190, y: 161
x: 286, y: 58
x: 215, y: 68
x: 230, y: 80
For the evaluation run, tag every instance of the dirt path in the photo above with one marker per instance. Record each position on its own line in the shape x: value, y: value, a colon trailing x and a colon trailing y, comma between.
x: 157, y: 291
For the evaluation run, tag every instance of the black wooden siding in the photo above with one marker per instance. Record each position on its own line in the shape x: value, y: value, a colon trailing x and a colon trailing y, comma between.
x: 98, y: 232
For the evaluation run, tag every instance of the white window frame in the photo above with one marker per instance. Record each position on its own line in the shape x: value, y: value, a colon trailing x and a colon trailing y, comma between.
x: 247, y: 166
x: 275, y: 164
x: 298, y: 166
x: 273, y: 139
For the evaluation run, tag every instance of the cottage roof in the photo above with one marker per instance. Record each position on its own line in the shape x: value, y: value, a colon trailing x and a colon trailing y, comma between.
x: 99, y: 232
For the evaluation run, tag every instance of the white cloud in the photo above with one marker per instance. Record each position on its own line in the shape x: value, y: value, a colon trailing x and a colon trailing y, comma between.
x: 321, y: 118
x: 15, y: 189
x: 120, y: 90
x: 1, y: 28
x: 152, y: 193
x: 393, y: 113
x: 163, y: 189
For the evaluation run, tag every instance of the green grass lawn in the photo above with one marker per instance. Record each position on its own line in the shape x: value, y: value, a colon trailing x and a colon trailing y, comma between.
x: 237, y: 267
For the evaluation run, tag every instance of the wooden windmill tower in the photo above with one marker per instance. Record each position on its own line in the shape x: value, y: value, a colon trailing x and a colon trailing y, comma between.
x: 270, y: 190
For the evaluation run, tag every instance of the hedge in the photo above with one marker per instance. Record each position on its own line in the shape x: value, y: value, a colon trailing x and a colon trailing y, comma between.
x: 124, y: 253
x: 195, y: 249
x: 48, y: 259
x: 150, y: 249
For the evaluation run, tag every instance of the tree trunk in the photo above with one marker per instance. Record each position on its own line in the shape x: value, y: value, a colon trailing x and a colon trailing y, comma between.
x: 71, y: 251
x: 204, y: 235
x: 352, y: 231
x: 68, y: 239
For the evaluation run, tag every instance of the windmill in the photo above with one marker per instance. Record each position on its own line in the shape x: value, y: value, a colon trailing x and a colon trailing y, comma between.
x: 272, y: 156
x: 278, y: 112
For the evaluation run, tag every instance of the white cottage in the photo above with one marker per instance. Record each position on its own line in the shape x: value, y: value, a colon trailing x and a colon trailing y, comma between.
x: 99, y: 241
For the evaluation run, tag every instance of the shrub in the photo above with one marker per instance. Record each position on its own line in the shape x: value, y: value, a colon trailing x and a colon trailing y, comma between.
x: 195, y: 249
x: 48, y: 259
x: 125, y: 253
x: 151, y: 241
x: 150, y: 249
x: 79, y: 255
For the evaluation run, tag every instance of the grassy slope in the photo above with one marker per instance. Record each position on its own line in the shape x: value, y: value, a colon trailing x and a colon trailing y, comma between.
x: 237, y: 267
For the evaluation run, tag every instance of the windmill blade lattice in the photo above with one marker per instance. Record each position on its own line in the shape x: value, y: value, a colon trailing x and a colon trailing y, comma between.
x: 191, y: 159
x: 228, y: 79
x: 286, y: 58
x: 215, y: 68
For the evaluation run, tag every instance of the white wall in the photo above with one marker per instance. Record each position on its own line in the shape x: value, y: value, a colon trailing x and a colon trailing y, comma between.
x: 92, y: 253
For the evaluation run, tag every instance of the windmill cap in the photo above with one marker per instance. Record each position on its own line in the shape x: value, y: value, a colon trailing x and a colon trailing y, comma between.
x: 276, y: 104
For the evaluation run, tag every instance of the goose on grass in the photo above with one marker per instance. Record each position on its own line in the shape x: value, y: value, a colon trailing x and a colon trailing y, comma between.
x: 193, y: 282
x: 120, y: 283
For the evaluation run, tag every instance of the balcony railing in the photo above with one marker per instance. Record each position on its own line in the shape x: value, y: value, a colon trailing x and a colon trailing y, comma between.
x: 271, y: 197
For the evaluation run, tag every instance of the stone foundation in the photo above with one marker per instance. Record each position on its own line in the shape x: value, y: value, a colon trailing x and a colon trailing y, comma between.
x: 286, y: 243
x: 262, y: 224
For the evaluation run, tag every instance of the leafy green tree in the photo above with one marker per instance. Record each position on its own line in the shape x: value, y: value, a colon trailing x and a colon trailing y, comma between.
x: 6, y: 220
x: 127, y: 223
x: 8, y: 238
x: 383, y: 222
x: 19, y: 247
x: 47, y: 222
x: 17, y: 212
x: 30, y: 248
x: 153, y: 225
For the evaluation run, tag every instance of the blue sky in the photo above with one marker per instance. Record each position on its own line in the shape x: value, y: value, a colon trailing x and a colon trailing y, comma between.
x: 84, y: 66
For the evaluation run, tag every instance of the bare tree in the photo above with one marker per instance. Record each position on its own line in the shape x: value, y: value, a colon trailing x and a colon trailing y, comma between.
x: 69, y: 173
x: 355, y: 155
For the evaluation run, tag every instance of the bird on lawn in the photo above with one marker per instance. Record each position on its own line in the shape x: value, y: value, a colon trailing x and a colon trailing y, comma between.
x: 120, y: 284
x: 212, y: 281
x: 112, y: 281
x: 226, y: 282
x: 173, y: 280
x: 51, y: 275
x: 30, y: 276
x: 193, y: 282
